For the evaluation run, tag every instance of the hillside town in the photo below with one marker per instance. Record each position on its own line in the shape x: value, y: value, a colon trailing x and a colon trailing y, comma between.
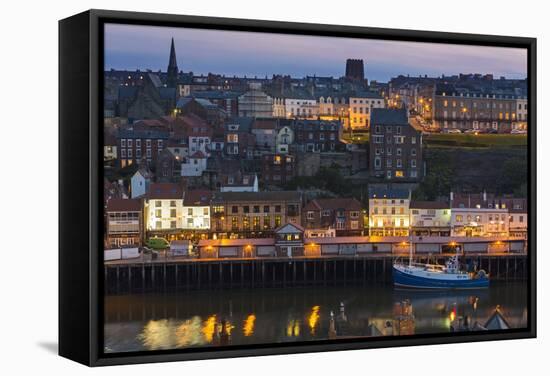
x: 217, y: 166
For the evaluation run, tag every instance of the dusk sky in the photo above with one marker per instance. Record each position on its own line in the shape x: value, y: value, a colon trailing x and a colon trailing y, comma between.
x: 259, y: 54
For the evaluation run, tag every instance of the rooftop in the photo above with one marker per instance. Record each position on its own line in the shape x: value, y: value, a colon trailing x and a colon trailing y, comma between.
x: 165, y: 191
x: 275, y: 196
x: 123, y: 205
x: 429, y: 205
x: 333, y: 204
x: 389, y: 116
x: 197, y: 198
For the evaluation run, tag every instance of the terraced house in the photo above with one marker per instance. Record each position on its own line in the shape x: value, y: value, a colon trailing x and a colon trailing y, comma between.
x: 253, y: 214
x: 344, y: 215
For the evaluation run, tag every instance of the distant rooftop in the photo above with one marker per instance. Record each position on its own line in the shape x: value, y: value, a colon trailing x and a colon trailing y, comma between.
x: 389, y: 116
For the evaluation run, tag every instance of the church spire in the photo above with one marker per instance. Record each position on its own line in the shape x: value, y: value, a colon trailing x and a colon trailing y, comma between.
x: 172, y: 71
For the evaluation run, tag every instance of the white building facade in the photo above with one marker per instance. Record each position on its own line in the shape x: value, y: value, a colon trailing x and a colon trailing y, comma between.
x: 479, y: 222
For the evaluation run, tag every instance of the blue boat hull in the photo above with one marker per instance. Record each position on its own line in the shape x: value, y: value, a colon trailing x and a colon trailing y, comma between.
x: 410, y: 281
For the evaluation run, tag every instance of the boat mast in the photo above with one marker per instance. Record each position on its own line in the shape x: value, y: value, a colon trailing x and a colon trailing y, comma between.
x: 410, y: 235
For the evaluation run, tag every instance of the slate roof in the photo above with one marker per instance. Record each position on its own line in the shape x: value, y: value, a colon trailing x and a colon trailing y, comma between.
x: 257, y: 196
x: 429, y: 205
x: 215, y: 94
x: 165, y: 191
x: 167, y: 93
x: 391, y: 193
x: 197, y: 198
x: 123, y: 205
x: 389, y: 116
x: 333, y: 204
x: 127, y: 92
x: 244, y: 122
x: 184, y: 101
x: 366, y: 94
x: 138, y: 133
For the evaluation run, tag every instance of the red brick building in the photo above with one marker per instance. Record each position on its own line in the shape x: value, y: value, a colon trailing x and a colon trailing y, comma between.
x: 342, y: 214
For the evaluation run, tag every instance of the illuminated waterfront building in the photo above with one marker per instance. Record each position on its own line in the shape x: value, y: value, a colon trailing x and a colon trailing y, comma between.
x: 124, y: 222
x: 254, y: 214
x: 389, y: 212
x: 430, y: 218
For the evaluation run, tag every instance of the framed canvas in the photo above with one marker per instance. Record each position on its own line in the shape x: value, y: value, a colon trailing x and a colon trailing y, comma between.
x: 238, y: 187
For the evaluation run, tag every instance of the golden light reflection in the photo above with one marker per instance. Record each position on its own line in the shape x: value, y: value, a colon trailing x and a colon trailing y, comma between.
x: 248, y: 327
x: 228, y: 327
x: 189, y: 333
x: 209, y: 328
x: 313, y: 319
x: 293, y: 328
x: 157, y: 334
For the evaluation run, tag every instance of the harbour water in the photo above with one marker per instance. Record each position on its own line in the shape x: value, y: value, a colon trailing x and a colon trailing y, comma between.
x: 176, y: 320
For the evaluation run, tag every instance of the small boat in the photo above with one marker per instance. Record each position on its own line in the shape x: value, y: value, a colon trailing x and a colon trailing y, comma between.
x: 433, y: 276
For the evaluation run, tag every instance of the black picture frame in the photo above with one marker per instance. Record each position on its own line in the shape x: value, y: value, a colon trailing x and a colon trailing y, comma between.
x: 80, y: 185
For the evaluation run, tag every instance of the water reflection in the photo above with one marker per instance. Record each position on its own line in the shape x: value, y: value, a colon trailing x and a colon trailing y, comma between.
x: 168, y: 321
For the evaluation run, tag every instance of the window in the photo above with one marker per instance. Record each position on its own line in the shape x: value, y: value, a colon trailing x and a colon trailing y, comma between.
x: 256, y: 208
x: 277, y: 208
x: 413, y: 163
x: 246, y: 209
x: 266, y: 208
x: 399, y: 174
x: 234, y: 209
x: 123, y: 142
x: 459, y: 218
x: 172, y: 213
x: 158, y: 213
x: 413, y: 152
x: 205, y: 211
x: 310, y: 215
x: 189, y: 211
x: 138, y: 143
x: 277, y: 220
x: 158, y: 204
x: 172, y: 224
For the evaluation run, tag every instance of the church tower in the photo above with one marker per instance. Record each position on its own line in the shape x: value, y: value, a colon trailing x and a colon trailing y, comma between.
x: 172, y: 71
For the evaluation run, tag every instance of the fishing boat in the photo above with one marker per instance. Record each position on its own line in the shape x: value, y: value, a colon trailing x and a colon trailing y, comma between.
x: 434, y: 276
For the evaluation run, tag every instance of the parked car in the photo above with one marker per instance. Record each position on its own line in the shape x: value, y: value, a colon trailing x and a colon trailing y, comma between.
x: 453, y: 131
x: 157, y: 243
x: 518, y: 131
x: 492, y: 131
